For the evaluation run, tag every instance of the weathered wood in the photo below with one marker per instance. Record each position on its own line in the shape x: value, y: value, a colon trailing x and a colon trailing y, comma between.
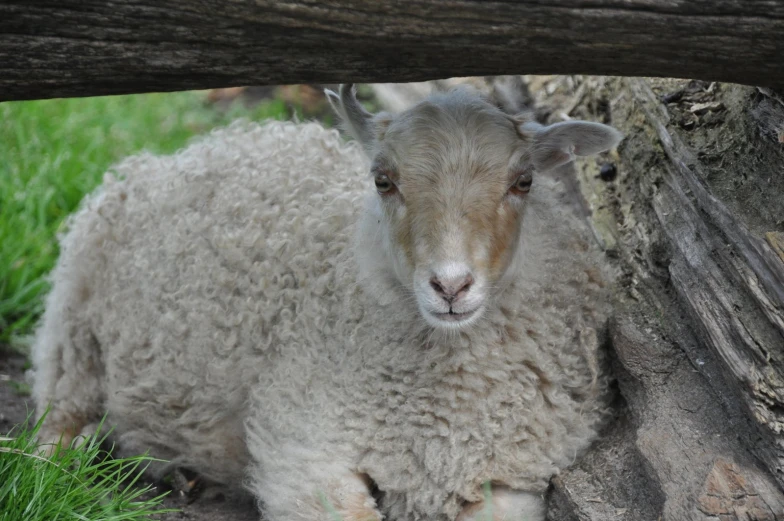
x: 673, y: 454
x: 693, y: 219
x: 92, y: 47
x: 731, y: 282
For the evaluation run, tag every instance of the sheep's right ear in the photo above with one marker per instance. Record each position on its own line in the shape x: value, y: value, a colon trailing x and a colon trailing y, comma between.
x: 561, y: 143
x: 361, y: 124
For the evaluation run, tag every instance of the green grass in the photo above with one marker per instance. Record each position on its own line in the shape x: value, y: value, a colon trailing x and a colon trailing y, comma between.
x: 53, y: 152
x: 77, y: 483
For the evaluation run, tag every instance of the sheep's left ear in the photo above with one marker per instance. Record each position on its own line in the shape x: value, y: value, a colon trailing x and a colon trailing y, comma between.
x: 363, y: 126
x: 561, y: 143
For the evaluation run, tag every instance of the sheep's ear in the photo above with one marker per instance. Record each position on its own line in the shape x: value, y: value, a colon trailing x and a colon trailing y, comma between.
x: 358, y: 121
x: 561, y: 143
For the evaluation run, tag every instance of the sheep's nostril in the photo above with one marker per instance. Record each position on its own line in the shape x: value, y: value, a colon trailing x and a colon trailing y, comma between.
x: 467, y: 282
x: 453, y: 288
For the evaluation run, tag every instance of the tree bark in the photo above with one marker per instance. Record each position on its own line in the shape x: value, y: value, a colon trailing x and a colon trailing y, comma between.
x: 693, y: 220
x: 95, y: 47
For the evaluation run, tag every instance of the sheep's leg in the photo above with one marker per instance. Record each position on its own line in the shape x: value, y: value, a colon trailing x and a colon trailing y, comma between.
x: 349, y: 498
x: 318, y: 494
x: 343, y: 498
x: 506, y: 504
x: 68, y: 379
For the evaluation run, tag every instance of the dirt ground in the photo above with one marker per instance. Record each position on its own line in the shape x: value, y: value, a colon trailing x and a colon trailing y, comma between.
x: 210, y: 504
x: 14, y: 403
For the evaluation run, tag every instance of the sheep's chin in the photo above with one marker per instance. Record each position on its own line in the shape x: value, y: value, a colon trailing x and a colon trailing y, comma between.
x: 452, y: 321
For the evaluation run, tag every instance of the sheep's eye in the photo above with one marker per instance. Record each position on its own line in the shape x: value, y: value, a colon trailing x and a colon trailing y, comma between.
x: 384, y: 185
x: 522, y: 184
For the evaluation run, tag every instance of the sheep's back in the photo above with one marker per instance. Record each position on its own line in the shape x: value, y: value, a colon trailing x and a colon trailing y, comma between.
x: 199, y: 265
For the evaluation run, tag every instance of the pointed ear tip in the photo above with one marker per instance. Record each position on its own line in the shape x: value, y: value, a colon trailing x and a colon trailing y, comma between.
x: 617, y: 136
x: 613, y: 135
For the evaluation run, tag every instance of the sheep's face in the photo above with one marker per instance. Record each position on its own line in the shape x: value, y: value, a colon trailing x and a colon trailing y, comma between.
x: 452, y: 188
x: 453, y: 176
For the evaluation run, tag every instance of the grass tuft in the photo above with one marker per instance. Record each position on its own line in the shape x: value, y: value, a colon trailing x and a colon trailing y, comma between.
x: 79, y: 483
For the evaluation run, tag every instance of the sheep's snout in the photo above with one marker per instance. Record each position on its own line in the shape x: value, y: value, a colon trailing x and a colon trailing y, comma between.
x: 452, y: 289
x: 450, y: 296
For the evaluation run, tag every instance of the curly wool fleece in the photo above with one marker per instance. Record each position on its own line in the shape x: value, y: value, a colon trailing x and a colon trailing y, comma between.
x: 210, y: 302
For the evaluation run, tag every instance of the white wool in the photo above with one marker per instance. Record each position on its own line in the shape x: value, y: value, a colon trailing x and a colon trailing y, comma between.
x: 209, y: 302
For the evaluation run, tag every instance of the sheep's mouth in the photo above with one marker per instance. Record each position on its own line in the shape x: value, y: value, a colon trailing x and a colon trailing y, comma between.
x: 453, y: 317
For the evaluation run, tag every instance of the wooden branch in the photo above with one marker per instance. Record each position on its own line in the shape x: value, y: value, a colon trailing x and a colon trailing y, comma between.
x: 93, y: 47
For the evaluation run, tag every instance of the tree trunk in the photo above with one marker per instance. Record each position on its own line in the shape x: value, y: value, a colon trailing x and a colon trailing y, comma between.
x: 695, y: 219
x: 92, y: 47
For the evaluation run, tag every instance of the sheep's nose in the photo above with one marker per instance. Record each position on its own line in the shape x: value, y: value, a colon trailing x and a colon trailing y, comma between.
x: 452, y: 289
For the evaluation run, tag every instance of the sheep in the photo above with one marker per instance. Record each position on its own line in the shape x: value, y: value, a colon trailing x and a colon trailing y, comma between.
x: 254, y: 309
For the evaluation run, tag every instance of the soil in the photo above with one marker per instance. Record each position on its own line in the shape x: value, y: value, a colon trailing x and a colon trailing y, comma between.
x: 200, y: 503
x: 15, y: 402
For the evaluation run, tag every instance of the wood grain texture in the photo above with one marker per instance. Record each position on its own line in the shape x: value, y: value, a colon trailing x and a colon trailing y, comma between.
x: 694, y: 220
x: 673, y: 454
x: 731, y: 282
x: 92, y: 47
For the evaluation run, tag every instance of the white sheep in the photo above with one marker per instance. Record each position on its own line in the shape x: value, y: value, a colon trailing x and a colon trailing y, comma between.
x: 251, y: 309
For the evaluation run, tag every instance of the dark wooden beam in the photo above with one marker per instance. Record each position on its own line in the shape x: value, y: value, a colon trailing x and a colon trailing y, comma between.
x: 92, y: 47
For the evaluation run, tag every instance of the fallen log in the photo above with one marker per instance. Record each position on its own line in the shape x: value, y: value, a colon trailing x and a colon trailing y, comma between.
x: 692, y: 220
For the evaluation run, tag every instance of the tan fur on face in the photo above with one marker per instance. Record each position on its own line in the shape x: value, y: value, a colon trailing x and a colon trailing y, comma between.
x: 503, y: 232
x: 453, y: 169
x: 405, y: 237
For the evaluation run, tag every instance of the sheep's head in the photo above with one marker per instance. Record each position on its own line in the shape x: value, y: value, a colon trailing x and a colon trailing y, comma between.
x: 452, y: 176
